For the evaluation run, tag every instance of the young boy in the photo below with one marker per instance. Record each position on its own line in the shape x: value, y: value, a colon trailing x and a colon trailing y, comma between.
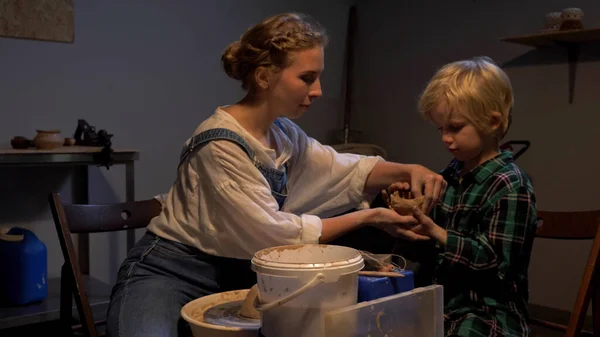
x: 485, y: 224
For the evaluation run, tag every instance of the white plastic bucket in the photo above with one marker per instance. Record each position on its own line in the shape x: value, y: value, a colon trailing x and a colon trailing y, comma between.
x: 298, y: 284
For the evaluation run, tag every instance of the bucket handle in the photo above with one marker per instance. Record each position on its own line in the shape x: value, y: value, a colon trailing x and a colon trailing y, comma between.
x: 319, y: 278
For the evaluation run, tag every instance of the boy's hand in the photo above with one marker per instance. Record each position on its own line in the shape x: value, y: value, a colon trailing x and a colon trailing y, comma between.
x: 429, y: 228
x: 398, y: 226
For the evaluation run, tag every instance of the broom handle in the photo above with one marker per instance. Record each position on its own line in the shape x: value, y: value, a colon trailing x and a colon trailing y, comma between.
x: 348, y: 72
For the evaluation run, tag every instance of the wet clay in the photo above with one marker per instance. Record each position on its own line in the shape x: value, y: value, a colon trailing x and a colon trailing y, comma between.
x: 248, y: 309
x: 402, y: 202
x: 386, y: 268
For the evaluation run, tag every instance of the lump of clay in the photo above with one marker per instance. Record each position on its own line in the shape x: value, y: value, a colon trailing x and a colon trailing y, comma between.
x: 247, y: 310
x: 386, y: 268
x: 402, y: 202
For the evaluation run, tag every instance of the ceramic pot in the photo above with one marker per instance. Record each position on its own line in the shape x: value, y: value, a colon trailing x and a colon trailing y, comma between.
x: 48, y: 139
x: 572, y: 18
x: 552, y: 21
x: 69, y: 141
x: 20, y: 142
x: 572, y: 14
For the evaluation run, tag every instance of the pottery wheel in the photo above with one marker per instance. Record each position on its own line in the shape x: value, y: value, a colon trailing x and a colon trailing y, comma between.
x: 227, y: 314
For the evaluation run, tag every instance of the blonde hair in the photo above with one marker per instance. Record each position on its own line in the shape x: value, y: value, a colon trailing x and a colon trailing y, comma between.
x: 269, y: 43
x: 473, y: 88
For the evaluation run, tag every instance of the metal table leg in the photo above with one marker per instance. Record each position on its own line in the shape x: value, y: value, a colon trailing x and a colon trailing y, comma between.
x: 130, y: 196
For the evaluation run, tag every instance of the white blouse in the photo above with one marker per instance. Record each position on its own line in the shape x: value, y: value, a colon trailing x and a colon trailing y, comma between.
x: 221, y: 204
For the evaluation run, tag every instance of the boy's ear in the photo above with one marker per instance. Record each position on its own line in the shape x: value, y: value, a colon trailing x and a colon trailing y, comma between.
x: 496, y: 122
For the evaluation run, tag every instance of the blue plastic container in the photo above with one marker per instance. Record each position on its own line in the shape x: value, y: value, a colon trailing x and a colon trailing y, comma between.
x: 371, y: 288
x: 23, y: 267
x: 402, y: 284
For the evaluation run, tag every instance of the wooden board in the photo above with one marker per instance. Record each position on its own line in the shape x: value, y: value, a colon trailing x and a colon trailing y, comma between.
x: 50, y: 20
x: 552, y: 38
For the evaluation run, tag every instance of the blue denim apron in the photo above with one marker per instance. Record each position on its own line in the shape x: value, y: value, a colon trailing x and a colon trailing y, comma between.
x: 277, y: 179
x: 159, y: 276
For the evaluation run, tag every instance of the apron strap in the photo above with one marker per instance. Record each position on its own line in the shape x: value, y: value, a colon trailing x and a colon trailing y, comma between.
x: 205, y: 137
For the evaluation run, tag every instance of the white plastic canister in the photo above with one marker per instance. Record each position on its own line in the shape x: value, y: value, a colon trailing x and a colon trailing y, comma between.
x: 298, y: 284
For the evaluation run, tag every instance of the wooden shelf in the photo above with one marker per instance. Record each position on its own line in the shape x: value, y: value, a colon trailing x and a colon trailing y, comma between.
x: 576, y: 36
x: 69, y: 155
x: 49, y: 309
x: 571, y: 39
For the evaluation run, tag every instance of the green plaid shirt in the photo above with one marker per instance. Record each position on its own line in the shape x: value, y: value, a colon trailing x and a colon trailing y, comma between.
x: 490, y: 217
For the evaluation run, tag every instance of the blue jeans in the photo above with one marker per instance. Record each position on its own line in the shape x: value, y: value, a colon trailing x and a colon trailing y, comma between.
x: 158, y: 278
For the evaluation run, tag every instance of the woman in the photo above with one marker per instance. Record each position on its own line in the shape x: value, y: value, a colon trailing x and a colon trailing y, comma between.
x: 248, y: 179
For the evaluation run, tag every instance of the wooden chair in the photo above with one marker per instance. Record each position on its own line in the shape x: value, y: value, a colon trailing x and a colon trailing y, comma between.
x: 83, y: 218
x: 577, y: 226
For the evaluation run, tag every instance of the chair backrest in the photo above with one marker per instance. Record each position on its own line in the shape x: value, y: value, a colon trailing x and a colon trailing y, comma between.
x: 577, y: 226
x: 568, y: 225
x: 79, y: 218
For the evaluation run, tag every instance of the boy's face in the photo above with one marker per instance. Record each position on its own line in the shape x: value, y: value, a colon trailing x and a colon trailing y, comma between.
x: 459, y: 135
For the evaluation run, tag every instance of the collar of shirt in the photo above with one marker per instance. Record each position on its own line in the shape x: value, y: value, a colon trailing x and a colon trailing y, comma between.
x: 452, y: 172
x: 271, y: 157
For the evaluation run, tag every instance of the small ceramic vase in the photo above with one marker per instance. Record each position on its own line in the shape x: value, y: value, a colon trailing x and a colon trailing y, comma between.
x: 48, y: 139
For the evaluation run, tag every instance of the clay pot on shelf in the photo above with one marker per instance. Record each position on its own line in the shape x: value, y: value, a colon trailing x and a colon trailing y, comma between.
x: 48, y: 139
x: 69, y: 141
x: 572, y: 18
x: 552, y: 22
x: 20, y: 142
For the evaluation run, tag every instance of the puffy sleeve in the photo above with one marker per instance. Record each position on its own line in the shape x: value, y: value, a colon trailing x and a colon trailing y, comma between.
x: 243, y: 215
x: 326, y: 182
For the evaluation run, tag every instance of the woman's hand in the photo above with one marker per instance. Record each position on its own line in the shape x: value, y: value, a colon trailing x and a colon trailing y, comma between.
x: 396, y: 225
x: 424, y: 182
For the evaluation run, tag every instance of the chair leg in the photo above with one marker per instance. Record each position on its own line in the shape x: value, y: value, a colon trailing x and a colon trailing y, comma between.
x: 66, y: 299
x: 596, y: 309
x: 547, y: 324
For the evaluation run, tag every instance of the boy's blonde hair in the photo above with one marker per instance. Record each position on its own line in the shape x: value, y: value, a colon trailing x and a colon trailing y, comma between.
x: 473, y: 88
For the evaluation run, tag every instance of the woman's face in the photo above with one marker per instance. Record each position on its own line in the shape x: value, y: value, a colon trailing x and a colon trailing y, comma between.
x: 293, y: 89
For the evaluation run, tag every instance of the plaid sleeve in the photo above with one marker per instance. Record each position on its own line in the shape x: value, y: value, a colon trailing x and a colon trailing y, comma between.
x: 504, y: 229
x: 512, y: 223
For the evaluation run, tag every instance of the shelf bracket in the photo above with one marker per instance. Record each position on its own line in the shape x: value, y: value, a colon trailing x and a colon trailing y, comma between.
x: 573, y: 50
